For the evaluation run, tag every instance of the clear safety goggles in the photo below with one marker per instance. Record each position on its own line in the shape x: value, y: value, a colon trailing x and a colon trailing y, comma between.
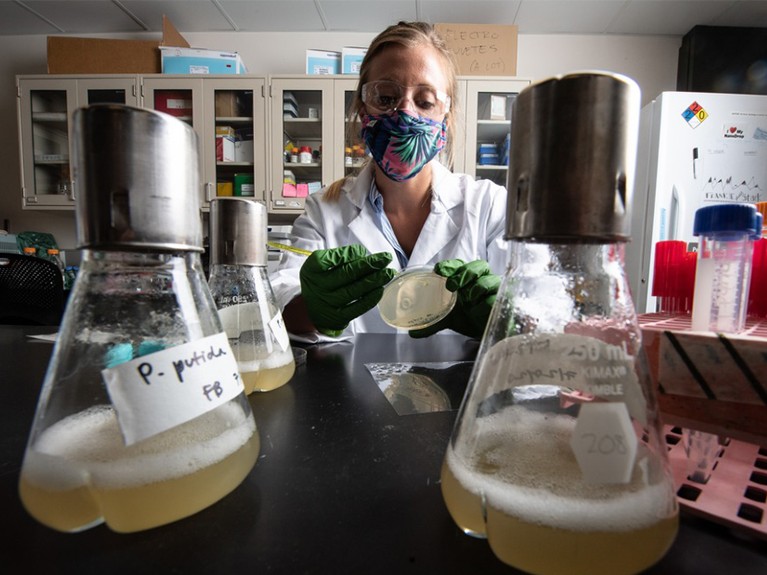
x: 385, y: 96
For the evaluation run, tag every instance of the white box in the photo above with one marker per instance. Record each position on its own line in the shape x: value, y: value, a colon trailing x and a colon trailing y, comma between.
x: 225, y: 149
x: 323, y: 62
x: 200, y: 61
x: 351, y: 58
x: 243, y: 151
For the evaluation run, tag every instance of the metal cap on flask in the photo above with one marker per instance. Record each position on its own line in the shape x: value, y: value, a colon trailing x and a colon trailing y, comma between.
x: 137, y: 178
x: 238, y: 229
x: 573, y: 154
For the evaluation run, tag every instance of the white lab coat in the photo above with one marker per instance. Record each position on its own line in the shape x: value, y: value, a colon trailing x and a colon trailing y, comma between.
x: 467, y: 221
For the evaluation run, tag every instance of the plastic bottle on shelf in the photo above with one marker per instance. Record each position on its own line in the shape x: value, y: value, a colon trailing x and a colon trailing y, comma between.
x: 305, y: 155
x: 347, y: 156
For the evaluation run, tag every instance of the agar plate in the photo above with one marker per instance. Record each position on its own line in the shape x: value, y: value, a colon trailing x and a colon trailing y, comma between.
x: 416, y: 298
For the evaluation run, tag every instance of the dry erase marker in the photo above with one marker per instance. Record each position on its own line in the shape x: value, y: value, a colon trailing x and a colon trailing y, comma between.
x: 695, y: 163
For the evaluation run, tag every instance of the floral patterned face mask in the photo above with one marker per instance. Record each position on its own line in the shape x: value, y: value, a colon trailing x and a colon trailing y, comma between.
x: 402, y: 143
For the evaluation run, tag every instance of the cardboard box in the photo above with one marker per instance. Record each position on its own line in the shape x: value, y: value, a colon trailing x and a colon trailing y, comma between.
x: 226, y: 104
x: 323, y: 62
x: 482, y: 49
x: 174, y: 102
x: 351, y: 59
x: 178, y: 60
x: 74, y: 55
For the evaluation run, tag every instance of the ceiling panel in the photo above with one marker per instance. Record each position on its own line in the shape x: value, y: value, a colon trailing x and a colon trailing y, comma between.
x: 85, y: 16
x: 15, y: 20
x: 475, y: 12
x: 343, y: 16
x: 644, y: 17
x: 274, y: 15
x: 186, y: 15
x: 564, y: 17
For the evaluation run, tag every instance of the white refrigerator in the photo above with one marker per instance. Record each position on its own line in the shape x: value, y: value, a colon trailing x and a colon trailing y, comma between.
x: 695, y: 149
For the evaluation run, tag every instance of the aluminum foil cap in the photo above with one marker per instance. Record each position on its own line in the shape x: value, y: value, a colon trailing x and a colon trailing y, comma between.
x: 137, y: 179
x: 238, y: 229
x: 573, y: 155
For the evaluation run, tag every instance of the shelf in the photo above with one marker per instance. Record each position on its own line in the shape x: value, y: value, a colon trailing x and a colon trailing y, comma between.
x: 492, y: 167
x: 291, y: 165
x: 303, y: 128
x: 234, y: 120
x: 51, y: 159
x: 50, y: 117
x: 234, y: 164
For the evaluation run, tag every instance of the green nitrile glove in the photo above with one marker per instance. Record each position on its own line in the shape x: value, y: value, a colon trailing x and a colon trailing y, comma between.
x: 476, y: 287
x: 340, y: 284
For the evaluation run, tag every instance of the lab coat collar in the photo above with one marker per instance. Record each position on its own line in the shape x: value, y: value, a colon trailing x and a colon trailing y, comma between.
x: 364, y: 225
x: 438, y: 230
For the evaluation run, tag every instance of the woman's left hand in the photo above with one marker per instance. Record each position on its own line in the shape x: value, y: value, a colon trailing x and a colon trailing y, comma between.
x: 477, y: 287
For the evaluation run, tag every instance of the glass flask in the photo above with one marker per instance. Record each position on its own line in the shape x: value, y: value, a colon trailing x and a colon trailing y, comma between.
x: 557, y: 455
x: 142, y: 418
x: 239, y: 283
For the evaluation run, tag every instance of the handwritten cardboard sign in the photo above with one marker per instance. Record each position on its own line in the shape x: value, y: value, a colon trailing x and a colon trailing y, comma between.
x: 482, y: 49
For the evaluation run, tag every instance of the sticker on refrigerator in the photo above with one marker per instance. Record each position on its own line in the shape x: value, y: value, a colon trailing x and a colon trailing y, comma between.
x: 695, y: 115
x: 734, y: 131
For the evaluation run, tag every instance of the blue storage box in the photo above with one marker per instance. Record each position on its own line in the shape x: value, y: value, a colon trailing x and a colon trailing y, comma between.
x: 352, y: 59
x: 323, y: 62
x: 199, y: 61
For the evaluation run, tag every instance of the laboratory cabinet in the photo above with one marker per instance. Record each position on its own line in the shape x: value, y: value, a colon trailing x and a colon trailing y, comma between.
x: 45, y: 108
x: 486, y: 103
x: 276, y: 139
x: 228, y: 112
x: 311, y: 144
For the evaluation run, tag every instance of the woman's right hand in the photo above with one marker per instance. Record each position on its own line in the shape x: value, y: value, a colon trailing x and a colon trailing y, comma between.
x: 340, y: 284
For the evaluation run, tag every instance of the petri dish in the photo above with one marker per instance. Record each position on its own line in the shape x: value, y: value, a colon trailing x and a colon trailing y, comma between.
x: 416, y: 298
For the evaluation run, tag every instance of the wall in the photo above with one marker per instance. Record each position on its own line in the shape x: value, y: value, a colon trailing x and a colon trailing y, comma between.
x: 650, y: 60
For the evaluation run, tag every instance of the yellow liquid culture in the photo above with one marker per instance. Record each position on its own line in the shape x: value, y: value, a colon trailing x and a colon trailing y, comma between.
x: 263, y: 364
x: 78, y: 473
x: 521, y: 487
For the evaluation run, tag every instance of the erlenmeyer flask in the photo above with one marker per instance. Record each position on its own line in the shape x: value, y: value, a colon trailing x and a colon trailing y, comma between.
x: 239, y: 283
x: 557, y: 455
x: 142, y: 418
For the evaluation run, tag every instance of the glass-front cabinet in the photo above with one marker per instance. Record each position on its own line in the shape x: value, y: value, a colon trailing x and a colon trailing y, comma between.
x: 350, y: 150
x: 301, y: 149
x: 45, y: 110
x: 235, y: 130
x: 487, y: 103
x: 229, y: 115
x: 276, y: 139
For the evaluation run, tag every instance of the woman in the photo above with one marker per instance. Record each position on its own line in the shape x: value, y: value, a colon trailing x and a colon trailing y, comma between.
x: 403, y: 209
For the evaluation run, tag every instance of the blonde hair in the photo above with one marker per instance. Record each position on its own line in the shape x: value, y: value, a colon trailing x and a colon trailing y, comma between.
x: 407, y: 35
